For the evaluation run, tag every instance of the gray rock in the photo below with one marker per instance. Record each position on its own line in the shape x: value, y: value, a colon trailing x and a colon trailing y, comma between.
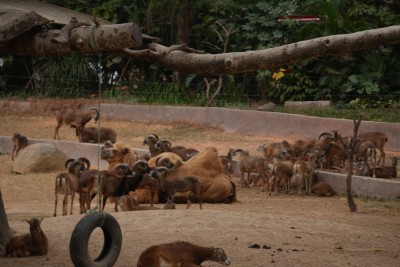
x: 267, y: 107
x: 39, y: 157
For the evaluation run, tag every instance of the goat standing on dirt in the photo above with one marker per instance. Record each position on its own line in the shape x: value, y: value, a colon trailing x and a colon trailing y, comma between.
x: 67, y: 183
x: 250, y: 164
x: 74, y: 118
x: 19, y: 142
x: 181, y: 254
x: 34, y: 243
x: 305, y: 170
x: 282, y: 172
x: 379, y: 140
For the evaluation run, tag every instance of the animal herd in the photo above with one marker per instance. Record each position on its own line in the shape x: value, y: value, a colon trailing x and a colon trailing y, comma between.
x: 176, y: 174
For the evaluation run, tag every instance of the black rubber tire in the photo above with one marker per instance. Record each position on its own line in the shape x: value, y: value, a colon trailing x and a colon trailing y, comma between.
x: 78, y: 246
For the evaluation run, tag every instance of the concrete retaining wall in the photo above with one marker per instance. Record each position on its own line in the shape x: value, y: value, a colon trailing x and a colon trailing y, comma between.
x: 251, y: 122
x: 363, y: 186
x: 270, y: 124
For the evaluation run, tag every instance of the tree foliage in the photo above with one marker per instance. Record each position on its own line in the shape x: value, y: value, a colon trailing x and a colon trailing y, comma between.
x: 369, y: 75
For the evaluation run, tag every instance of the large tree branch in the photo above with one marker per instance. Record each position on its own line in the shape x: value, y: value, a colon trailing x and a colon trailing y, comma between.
x: 249, y: 61
x: 120, y: 38
x: 75, y: 38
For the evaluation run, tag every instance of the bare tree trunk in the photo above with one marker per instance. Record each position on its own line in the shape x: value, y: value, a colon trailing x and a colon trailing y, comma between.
x: 4, y: 227
x: 350, y: 157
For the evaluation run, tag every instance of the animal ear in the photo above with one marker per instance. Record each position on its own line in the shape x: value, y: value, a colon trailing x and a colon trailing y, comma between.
x: 41, y: 219
x: 27, y: 221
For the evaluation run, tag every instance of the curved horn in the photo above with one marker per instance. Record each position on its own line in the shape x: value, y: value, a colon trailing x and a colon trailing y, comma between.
x: 85, y: 160
x: 326, y: 133
x: 155, y: 136
x: 122, y: 169
x: 96, y: 116
x: 68, y: 161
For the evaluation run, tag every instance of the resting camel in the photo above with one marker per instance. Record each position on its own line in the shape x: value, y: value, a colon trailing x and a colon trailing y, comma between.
x: 118, y: 153
x: 207, y: 167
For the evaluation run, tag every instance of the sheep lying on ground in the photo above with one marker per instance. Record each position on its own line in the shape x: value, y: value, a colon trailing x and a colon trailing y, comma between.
x: 127, y: 203
x: 322, y: 189
x: 34, y: 243
x: 19, y: 142
x: 91, y: 134
x: 206, y: 166
x: 181, y: 254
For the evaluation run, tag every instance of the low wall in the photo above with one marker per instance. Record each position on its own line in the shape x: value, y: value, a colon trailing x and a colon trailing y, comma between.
x: 363, y: 186
x: 271, y: 124
x: 251, y: 122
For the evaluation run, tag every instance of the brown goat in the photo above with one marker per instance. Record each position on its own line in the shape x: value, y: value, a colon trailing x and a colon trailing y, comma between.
x: 75, y: 118
x: 305, y: 170
x: 34, y: 243
x: 67, y: 183
x: 128, y: 203
x: 151, y: 140
x: 277, y: 151
x: 181, y: 151
x: 302, y: 145
x: 250, y: 164
x: 379, y: 140
x: 91, y: 134
x: 322, y: 189
x: 227, y: 161
x: 186, y: 184
x: 282, y: 172
x: 181, y: 254
x: 19, y: 142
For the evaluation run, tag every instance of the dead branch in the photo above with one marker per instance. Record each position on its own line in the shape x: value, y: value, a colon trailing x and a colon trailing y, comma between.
x: 350, y: 157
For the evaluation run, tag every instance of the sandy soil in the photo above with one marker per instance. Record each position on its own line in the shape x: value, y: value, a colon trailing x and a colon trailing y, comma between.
x: 300, y: 230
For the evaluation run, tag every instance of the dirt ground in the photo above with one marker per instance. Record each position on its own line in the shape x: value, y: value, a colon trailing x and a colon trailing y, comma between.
x: 296, y: 230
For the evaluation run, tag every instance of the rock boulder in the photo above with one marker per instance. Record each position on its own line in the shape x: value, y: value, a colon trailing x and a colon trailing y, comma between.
x: 39, y: 157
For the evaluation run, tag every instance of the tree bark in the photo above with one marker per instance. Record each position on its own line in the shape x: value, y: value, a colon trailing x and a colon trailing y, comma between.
x: 250, y: 61
x: 80, y: 40
x: 120, y: 38
x: 4, y: 227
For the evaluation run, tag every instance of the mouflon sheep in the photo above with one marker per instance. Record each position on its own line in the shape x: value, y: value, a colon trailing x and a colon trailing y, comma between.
x: 19, y: 142
x: 34, y: 243
x: 75, y: 118
x: 181, y: 254
x: 217, y: 186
